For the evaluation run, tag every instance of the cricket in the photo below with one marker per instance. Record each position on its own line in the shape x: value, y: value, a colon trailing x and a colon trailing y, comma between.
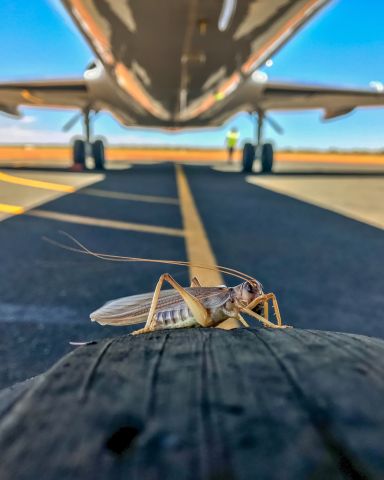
x: 184, y: 307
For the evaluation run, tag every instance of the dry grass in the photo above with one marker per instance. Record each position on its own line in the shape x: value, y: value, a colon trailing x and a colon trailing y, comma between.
x: 61, y: 156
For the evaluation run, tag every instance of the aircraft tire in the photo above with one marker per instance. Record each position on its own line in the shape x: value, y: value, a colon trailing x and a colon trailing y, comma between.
x: 248, y: 157
x: 79, y: 153
x: 98, y: 153
x: 267, y: 158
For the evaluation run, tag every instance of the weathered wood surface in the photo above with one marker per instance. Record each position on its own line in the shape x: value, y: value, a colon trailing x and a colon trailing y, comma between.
x: 203, y: 404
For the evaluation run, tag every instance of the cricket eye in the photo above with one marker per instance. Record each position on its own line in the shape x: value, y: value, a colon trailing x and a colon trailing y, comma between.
x: 249, y: 288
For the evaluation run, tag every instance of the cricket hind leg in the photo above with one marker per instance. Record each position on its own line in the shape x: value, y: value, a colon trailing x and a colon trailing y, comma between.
x: 198, y: 310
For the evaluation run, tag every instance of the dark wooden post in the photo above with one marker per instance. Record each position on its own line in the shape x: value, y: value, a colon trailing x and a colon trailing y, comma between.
x: 203, y: 404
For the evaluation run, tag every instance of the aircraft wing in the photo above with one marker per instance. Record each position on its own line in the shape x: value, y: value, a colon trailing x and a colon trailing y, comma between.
x: 253, y: 96
x: 44, y: 93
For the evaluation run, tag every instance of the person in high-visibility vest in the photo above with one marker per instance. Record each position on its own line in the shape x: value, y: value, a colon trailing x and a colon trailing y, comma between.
x: 232, y: 138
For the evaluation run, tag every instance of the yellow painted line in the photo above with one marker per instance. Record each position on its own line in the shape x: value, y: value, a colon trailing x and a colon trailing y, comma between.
x: 197, y: 244
x: 198, y: 248
x: 105, y: 223
x: 130, y: 196
x: 57, y: 187
x: 14, y: 209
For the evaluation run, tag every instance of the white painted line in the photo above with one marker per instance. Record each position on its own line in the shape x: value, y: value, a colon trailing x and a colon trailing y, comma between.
x: 359, y: 198
x: 105, y: 223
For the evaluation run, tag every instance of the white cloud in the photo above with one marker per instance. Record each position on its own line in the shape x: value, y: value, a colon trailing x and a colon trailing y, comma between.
x: 28, y: 119
x: 15, y: 134
x: 18, y: 133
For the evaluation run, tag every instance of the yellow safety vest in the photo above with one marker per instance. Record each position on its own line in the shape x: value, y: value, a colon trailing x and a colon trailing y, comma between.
x: 232, y: 138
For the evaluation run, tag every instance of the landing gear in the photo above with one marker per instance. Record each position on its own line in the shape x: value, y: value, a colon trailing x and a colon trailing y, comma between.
x: 83, y: 148
x: 79, y: 154
x: 266, y: 158
x: 264, y: 152
x: 248, y: 157
x: 98, y: 153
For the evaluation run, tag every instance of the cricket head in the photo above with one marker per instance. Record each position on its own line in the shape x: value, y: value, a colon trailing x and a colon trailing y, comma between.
x: 248, y: 292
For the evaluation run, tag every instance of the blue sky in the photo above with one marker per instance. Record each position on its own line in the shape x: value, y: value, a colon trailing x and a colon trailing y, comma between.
x: 342, y: 46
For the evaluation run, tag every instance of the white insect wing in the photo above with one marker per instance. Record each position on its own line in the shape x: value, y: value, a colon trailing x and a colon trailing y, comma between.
x: 134, y: 309
x: 126, y: 310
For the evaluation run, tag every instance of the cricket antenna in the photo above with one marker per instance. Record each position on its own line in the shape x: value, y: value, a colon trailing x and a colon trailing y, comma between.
x: 117, y: 258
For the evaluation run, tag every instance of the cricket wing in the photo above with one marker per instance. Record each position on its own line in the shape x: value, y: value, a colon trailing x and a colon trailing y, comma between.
x: 134, y: 309
x: 127, y: 310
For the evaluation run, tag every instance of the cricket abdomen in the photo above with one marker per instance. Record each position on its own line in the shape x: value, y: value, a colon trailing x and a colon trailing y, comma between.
x: 178, y: 318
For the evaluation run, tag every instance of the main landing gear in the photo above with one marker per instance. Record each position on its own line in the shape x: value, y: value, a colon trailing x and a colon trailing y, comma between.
x: 83, y: 148
x: 262, y: 151
x: 266, y: 157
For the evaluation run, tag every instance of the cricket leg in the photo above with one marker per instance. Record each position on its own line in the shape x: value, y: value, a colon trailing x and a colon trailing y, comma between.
x: 272, y: 296
x: 198, y: 310
x: 265, y: 299
x: 155, y: 300
x: 195, y: 282
x: 256, y: 301
x: 232, y: 322
x: 243, y: 321
x: 266, y: 310
x: 261, y: 319
x: 149, y: 323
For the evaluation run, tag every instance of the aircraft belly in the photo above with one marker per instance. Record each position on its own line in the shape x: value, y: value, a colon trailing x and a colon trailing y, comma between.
x: 171, y: 57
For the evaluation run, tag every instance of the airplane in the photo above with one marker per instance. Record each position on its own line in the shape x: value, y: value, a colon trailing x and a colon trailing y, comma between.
x: 179, y: 64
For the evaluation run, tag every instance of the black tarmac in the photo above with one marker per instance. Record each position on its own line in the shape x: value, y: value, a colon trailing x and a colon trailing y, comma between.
x: 325, y: 269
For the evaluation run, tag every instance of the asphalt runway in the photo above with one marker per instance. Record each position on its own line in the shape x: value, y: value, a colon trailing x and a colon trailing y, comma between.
x: 325, y: 266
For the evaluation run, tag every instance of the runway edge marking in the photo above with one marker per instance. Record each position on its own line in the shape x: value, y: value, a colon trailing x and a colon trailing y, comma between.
x: 129, y: 196
x: 13, y: 209
x: 105, y: 223
x: 57, y: 187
